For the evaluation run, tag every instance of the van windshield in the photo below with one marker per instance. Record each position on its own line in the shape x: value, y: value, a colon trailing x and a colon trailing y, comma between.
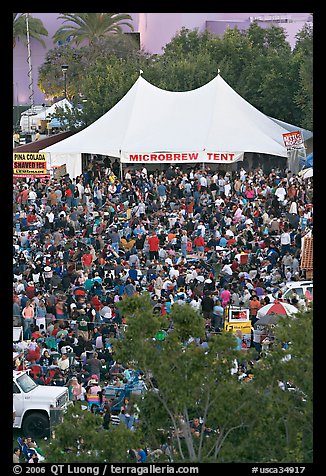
x: 26, y: 383
x: 289, y: 292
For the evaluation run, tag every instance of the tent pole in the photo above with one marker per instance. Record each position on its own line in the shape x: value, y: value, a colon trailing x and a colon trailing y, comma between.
x: 121, y: 175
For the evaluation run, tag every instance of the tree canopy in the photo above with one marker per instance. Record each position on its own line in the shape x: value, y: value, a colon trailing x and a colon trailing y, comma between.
x: 36, y: 29
x: 264, y: 417
x: 258, y: 64
x: 90, y: 27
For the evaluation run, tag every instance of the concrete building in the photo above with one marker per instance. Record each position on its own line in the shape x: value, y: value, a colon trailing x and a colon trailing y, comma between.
x: 155, y: 29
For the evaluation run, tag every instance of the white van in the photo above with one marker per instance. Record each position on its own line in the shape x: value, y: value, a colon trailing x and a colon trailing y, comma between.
x: 37, y: 406
x: 298, y: 287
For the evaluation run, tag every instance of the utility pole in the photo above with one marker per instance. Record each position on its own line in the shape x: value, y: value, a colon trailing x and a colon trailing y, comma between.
x: 29, y: 61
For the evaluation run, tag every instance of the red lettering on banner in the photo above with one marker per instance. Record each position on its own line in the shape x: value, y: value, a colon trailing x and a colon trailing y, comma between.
x: 178, y: 157
x: 193, y: 156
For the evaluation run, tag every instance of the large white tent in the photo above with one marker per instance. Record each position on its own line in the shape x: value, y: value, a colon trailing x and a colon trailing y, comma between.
x: 151, y: 125
x: 29, y: 119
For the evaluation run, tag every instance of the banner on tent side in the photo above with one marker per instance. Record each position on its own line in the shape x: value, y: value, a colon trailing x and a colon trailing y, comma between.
x: 293, y: 140
x: 184, y: 157
x: 29, y: 164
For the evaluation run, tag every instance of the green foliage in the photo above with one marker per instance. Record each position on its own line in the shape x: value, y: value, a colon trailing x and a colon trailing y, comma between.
x: 253, y: 422
x: 263, y: 422
x: 35, y: 27
x: 257, y: 63
x: 99, y: 445
x: 303, y: 55
x: 90, y: 27
x: 51, y: 79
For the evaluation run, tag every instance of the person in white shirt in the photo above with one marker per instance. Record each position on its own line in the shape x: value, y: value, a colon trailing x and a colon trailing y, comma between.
x: 195, y: 303
x: 246, y: 298
x: 32, y: 196
x: 201, y: 228
x: 226, y: 270
x: 203, y: 181
x: 285, y: 240
x: 227, y: 188
x: 50, y: 216
x: 288, y: 275
x: 280, y: 193
x: 174, y: 272
x: 63, y: 362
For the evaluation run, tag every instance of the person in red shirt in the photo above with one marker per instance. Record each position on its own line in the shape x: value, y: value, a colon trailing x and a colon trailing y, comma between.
x: 68, y: 196
x: 153, y: 242
x: 96, y: 303
x: 24, y: 196
x: 200, y: 244
x: 235, y: 266
x: 30, y: 290
x: 87, y: 261
x: 31, y: 218
x: 254, y: 305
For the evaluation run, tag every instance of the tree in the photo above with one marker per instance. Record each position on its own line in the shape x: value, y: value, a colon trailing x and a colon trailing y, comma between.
x: 98, y: 445
x: 36, y: 29
x: 186, y: 380
x: 303, y: 56
x: 91, y: 69
x: 264, y: 419
x: 50, y: 79
x: 90, y: 27
x: 258, y: 64
x: 255, y: 421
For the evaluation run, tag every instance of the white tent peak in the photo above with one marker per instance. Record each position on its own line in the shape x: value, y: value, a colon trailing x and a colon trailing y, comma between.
x: 64, y: 103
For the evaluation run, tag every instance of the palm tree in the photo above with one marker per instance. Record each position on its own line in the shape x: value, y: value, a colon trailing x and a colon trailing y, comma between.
x: 36, y: 29
x: 90, y: 26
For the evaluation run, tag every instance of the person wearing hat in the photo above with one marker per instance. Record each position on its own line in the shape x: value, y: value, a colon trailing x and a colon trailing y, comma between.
x: 75, y: 390
x: 93, y: 388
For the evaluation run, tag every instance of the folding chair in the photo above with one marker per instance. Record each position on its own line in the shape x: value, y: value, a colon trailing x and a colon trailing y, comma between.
x: 26, y: 452
x: 35, y: 370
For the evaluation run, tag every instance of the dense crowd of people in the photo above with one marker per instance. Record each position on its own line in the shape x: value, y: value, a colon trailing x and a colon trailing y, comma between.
x: 206, y: 237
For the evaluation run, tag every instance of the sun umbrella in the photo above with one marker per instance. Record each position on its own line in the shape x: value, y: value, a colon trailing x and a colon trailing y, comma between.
x: 266, y: 321
x: 306, y: 173
x: 277, y: 307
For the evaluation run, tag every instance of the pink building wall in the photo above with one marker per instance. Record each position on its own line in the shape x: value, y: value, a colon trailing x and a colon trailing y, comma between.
x: 156, y: 30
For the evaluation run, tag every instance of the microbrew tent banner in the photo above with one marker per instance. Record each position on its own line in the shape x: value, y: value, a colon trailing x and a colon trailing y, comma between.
x: 208, y: 124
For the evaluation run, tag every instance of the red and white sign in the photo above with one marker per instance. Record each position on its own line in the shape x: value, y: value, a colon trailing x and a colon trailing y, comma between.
x: 184, y: 157
x: 293, y: 140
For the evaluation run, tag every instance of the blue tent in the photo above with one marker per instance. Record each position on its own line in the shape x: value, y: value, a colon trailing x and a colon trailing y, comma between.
x: 55, y: 122
x: 310, y: 160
